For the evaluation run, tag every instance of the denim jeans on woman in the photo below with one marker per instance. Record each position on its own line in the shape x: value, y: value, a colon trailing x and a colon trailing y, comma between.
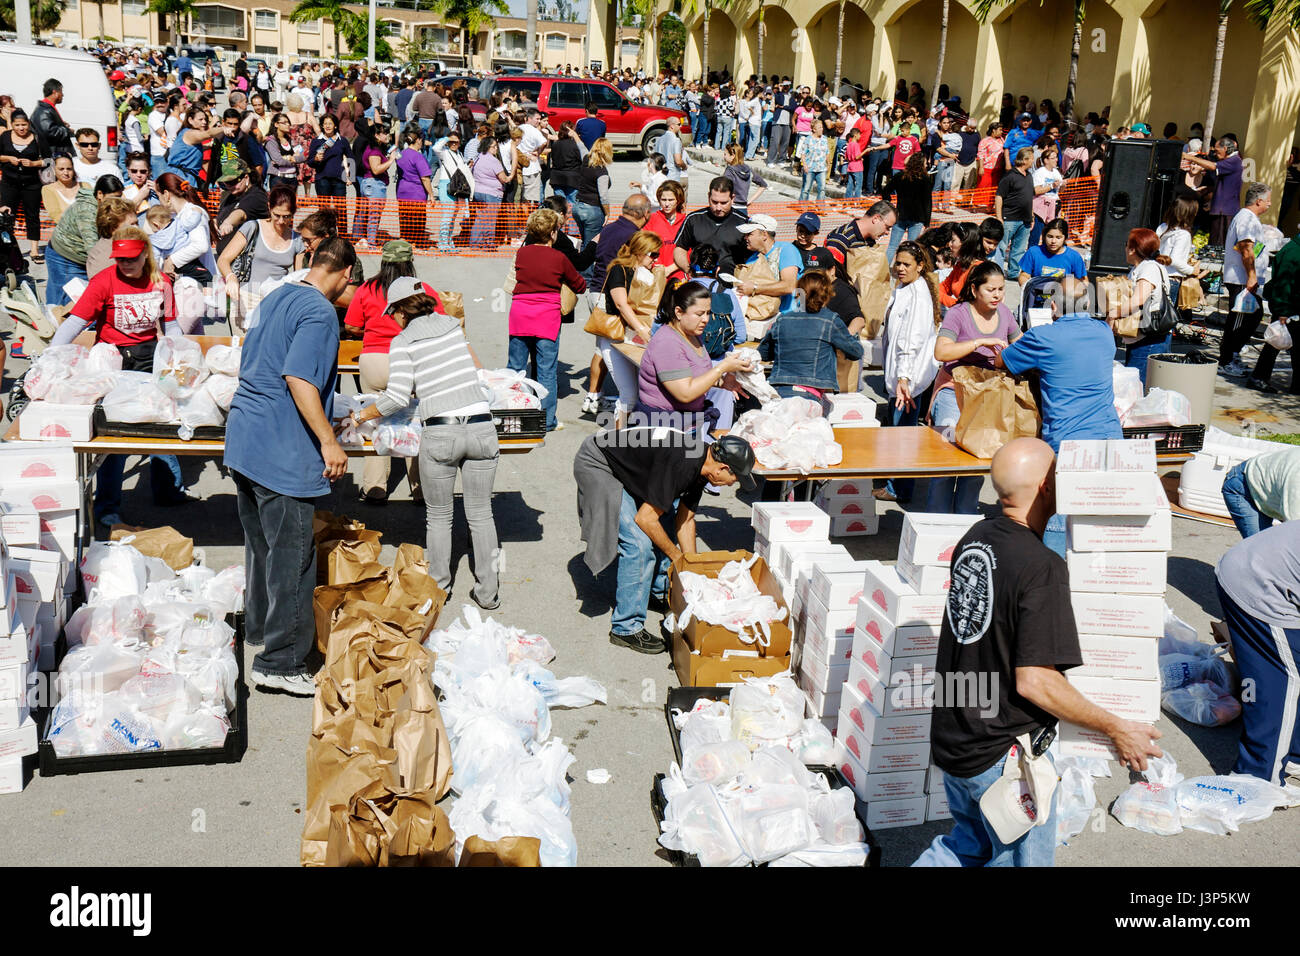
x: 473, y: 451
x: 370, y: 208
x: 725, y: 126
x: 951, y: 495
x: 536, y: 357
x: 811, y: 180
x: 903, y: 229
x: 1241, y: 503
x: 59, y: 269
x: 590, y: 220
x: 972, y: 841
x: 484, y: 230
x: 642, y: 572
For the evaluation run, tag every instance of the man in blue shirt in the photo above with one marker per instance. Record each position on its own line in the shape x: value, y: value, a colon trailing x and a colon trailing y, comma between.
x: 1018, y: 139
x: 784, y: 259
x: 282, y: 453
x: 591, y: 127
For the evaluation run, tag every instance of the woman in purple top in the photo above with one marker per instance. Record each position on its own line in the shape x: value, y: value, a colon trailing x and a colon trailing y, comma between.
x: 372, y: 182
x: 973, y: 332
x: 676, y: 373
x: 490, y: 177
x: 414, y: 188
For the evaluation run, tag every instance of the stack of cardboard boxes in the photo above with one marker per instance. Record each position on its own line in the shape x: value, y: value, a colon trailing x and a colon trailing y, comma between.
x: 883, y: 727
x: 1119, y: 535
x: 851, y: 507
x: 39, y: 532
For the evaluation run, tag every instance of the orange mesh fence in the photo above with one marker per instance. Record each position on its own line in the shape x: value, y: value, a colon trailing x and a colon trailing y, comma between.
x: 494, y: 229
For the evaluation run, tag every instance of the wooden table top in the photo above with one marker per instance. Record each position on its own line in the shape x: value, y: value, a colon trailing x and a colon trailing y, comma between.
x: 349, y: 349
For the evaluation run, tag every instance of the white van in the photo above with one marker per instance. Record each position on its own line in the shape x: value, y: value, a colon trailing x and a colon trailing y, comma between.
x: 87, y: 95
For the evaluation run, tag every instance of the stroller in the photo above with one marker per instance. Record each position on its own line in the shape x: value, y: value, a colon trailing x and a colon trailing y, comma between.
x: 1037, y: 293
x: 22, y: 313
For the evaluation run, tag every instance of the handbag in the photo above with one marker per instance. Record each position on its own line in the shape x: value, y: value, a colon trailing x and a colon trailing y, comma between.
x: 719, y: 333
x: 605, y: 325
x: 46, y: 174
x: 1163, y: 320
x: 242, y: 267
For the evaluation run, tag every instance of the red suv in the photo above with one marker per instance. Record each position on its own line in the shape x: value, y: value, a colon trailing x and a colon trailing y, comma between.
x: 629, y: 125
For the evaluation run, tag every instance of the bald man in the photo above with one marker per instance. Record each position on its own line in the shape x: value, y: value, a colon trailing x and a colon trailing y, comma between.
x: 1007, y: 636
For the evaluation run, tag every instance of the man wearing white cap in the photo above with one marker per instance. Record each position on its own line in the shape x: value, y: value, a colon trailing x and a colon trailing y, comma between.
x: 783, y: 257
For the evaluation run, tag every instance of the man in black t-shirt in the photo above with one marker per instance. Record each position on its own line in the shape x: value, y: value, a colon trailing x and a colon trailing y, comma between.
x: 1014, y: 205
x: 716, y: 225
x: 628, y: 480
x: 1007, y: 635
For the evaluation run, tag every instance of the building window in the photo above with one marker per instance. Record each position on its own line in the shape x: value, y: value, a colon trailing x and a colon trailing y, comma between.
x: 556, y: 42
x: 629, y: 49
x: 135, y: 41
x: 510, y: 45
x: 222, y: 22
x: 388, y: 28
x: 309, y: 26
x: 70, y: 5
x: 308, y: 54
x: 264, y: 19
x: 265, y: 50
x: 133, y: 8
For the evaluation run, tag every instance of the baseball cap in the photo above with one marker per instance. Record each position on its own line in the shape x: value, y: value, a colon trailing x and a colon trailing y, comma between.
x: 116, y: 75
x: 1023, y: 116
x: 757, y: 222
x: 127, y: 248
x: 1142, y: 128
x: 397, y: 250
x: 820, y: 258
x: 402, y: 288
x: 233, y: 170
x: 734, y: 452
x: 810, y: 221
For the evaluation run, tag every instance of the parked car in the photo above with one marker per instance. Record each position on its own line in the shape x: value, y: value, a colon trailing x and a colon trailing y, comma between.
x: 87, y: 97
x: 630, y: 125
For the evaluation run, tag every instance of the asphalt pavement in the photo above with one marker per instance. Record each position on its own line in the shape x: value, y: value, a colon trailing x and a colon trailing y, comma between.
x: 251, y: 813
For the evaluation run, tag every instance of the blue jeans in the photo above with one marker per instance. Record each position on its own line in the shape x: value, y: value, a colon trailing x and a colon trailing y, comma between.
x: 959, y: 496
x: 164, y: 481
x: 810, y: 179
x: 1015, y: 241
x: 901, y: 488
x: 590, y: 220
x: 874, y: 160
x: 1135, y: 356
x: 485, y: 220
x: 725, y: 125
x: 972, y: 841
x: 753, y: 133
x: 642, y: 572
x: 853, y: 185
x: 703, y: 133
x: 943, y: 177
x: 157, y: 166
x: 371, y: 207
x: 58, y: 270
x: 570, y: 195
x: 903, y: 229
x: 541, y: 355
x: 1241, y: 503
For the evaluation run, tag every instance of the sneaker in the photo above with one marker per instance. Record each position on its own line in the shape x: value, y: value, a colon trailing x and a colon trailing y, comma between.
x: 882, y: 494
x: 486, y: 605
x: 590, y: 404
x: 1257, y: 385
x: 1234, y: 369
x: 300, y: 685
x: 643, y: 642
x: 559, y: 427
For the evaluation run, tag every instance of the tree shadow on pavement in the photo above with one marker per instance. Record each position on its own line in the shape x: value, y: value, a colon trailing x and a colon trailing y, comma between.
x: 1195, y: 579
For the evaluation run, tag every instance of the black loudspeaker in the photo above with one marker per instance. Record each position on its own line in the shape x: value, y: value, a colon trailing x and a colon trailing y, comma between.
x: 1138, y: 183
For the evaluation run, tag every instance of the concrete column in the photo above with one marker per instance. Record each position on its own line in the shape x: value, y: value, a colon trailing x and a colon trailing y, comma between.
x: 742, y: 57
x: 1130, y: 100
x: 805, y: 67
x: 650, y: 56
x: 986, y: 82
x: 883, y: 72
x: 1272, y: 129
x: 596, y: 44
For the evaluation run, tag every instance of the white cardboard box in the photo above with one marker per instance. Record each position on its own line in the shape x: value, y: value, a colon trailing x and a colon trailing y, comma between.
x: 897, y: 600
x: 67, y: 550
x: 11, y: 774
x: 898, y: 785
x: 1130, y: 699
x: 931, y: 538
x: 794, y: 556
x: 1129, y: 658
x: 1075, y: 741
x: 934, y: 780
x: 37, y: 461
x: 41, y: 496
x: 1125, y: 572
x: 925, y: 578
x: 822, y: 703
x: 20, y: 526
x: 890, y: 758
x: 1117, y: 455
x: 851, y: 410
x: 826, y: 677
x: 852, y: 526
x: 937, y: 807
x: 1109, y: 493
x: 1127, y: 615
x: 763, y: 549
x: 913, y: 640
x: 19, y: 742
x: 12, y: 713
x: 886, y: 814
x: 37, y: 573
x: 837, y: 586
x: 882, y: 731
x: 848, y: 488
x: 893, y: 700
x: 47, y: 421
x: 889, y: 670
x: 846, y: 507
x: 1118, y: 533
x: 790, y: 521
x: 828, y: 634
x: 13, y: 680
x: 19, y: 644
x: 45, y: 659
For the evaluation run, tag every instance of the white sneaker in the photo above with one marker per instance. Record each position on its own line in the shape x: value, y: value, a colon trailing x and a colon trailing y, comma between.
x: 300, y: 685
x: 1234, y: 369
x: 559, y: 427
x: 590, y: 404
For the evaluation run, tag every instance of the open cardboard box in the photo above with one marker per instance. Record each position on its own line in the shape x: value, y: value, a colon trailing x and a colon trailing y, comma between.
x: 712, y: 639
x: 701, y: 670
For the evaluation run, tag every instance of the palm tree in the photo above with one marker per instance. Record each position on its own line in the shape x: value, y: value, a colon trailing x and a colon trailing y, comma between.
x: 352, y: 27
x: 839, y: 49
x: 984, y: 7
x: 1219, y: 42
x: 46, y: 15
x: 178, y: 10
x: 100, y: 5
x: 472, y: 16
x: 530, y: 39
x: 1264, y: 12
x: 762, y: 32
x: 943, y: 51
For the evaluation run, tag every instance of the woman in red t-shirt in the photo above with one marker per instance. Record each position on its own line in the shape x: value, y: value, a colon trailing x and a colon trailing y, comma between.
x: 666, y: 222
x: 127, y: 305
x: 368, y: 319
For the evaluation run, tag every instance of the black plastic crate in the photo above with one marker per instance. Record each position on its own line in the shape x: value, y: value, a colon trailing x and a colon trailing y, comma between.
x: 659, y: 808
x: 1170, y: 438
x: 232, y: 751
x: 519, y: 422
x: 106, y: 428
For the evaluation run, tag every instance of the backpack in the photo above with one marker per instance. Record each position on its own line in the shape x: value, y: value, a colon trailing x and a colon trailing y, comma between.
x: 1163, y: 320
x: 1076, y: 170
x: 458, y: 186
x: 719, y: 333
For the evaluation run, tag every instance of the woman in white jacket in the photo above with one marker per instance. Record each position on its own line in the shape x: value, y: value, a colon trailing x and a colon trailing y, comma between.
x: 911, y: 325
x: 1176, y: 237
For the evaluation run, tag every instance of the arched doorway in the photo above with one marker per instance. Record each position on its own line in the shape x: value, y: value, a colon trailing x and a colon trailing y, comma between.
x: 778, y: 42
x: 722, y: 42
x: 914, y: 40
x: 859, y: 36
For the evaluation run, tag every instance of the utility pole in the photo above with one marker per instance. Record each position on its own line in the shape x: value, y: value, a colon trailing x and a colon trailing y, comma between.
x: 23, y: 20
x: 370, y: 49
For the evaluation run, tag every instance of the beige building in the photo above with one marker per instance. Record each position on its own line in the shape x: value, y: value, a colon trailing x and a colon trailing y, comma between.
x: 263, y: 27
x: 1149, y: 60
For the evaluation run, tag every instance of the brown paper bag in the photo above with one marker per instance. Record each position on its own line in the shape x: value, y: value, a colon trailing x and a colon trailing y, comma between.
x: 408, y: 556
x: 1190, y: 294
x: 324, y: 523
x: 759, y: 308
x: 848, y: 372
x: 453, y: 303
x: 1128, y: 326
x: 414, y: 590
x: 343, y: 756
x: 508, y: 851
x: 166, y: 543
x: 643, y: 297
x: 342, y: 562
x: 868, y: 270
x: 382, y: 826
x: 327, y: 598
x: 995, y: 408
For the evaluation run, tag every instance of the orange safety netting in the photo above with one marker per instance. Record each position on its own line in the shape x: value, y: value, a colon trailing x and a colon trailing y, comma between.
x: 493, y: 229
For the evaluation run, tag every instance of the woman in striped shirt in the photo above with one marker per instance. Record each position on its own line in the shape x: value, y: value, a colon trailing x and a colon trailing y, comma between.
x: 431, y: 359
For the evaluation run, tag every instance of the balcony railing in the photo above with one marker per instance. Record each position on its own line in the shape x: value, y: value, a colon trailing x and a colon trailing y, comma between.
x: 224, y: 31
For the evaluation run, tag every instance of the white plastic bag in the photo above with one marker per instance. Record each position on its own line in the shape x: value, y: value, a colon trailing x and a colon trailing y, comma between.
x: 1149, y: 807
x: 774, y: 821
x: 697, y: 823
x: 133, y: 400
x: 731, y: 599
x: 754, y: 382
x: 112, y: 570
x: 103, y: 358
x: 1127, y: 383
x: 833, y: 814
x: 1076, y: 798
x: 401, y: 439
x: 485, y: 744
x: 814, y: 743
x: 102, y: 667
x: 708, y: 722
x: 1278, y: 336
x: 120, y: 621
x: 223, y: 360
x: 716, y: 763
x: 1245, y: 303
x: 1161, y: 406
x: 222, y: 388
x: 766, y: 711
x: 1221, y: 804
x: 178, y: 364
x: 1178, y: 670
x: 1204, y: 703
x: 81, y: 388
x: 509, y: 389
x: 55, y: 364
x: 225, y: 591
x: 191, y: 304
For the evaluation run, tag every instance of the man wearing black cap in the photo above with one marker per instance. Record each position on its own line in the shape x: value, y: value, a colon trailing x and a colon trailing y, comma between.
x: 243, y: 199
x: 628, y: 480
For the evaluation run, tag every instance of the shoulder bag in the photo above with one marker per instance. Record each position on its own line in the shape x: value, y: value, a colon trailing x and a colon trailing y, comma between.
x: 1163, y: 320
